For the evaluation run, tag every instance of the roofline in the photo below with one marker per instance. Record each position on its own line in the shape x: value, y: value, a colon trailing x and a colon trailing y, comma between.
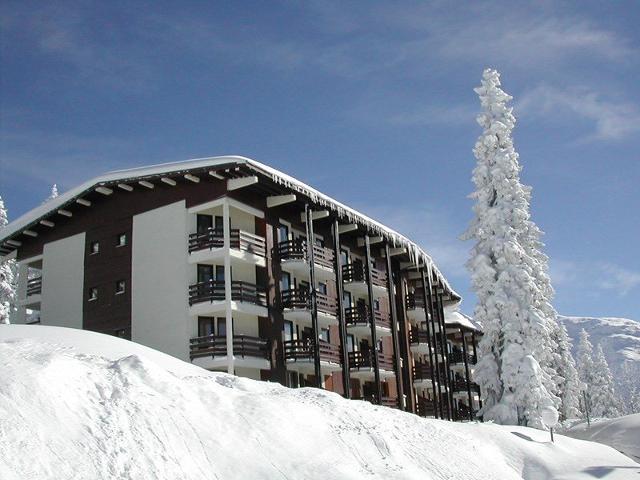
x: 416, y: 253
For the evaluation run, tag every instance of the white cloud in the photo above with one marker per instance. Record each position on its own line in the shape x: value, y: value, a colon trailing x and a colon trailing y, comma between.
x: 612, y: 120
x: 606, y: 276
x: 619, y: 279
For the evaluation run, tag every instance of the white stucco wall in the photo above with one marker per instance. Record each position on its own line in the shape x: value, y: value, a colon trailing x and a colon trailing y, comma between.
x: 63, y: 282
x: 159, y: 303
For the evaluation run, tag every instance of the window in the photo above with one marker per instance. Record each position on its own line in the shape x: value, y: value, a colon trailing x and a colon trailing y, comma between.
x: 376, y: 304
x: 351, y: 342
x: 204, y: 223
x: 93, y: 294
x: 322, y: 288
x: 222, y: 326
x: 287, y: 330
x: 120, y: 286
x: 219, y: 224
x: 122, y: 240
x: 324, y: 335
x: 346, y: 299
x: 205, y: 273
x: 220, y: 273
x: 94, y: 248
x: 344, y: 257
x: 285, y: 281
x: 122, y: 333
x: 283, y: 233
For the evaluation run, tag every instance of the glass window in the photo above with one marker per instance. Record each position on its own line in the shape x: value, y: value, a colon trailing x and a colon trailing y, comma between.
x: 324, y: 335
x: 219, y: 223
x: 93, y: 294
x: 318, y: 241
x: 95, y: 248
x: 203, y: 223
x: 283, y: 233
x: 351, y: 343
x: 285, y: 281
x: 122, y: 240
x: 376, y: 304
x: 120, y: 286
x: 322, y: 288
x: 206, y: 326
x: 222, y: 327
x: 346, y: 299
x: 287, y: 331
x: 205, y: 273
x: 344, y: 257
x: 220, y: 273
x: 122, y: 333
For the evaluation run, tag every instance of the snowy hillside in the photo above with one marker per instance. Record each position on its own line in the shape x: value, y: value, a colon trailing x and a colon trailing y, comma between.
x: 619, y: 337
x: 80, y: 405
x: 621, y: 433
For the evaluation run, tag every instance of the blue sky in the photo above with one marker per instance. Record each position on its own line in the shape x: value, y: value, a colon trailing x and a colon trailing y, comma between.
x: 372, y: 103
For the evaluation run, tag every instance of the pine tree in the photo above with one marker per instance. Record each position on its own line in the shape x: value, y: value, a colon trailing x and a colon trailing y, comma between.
x: 569, y: 384
x: 584, y: 360
x: 629, y: 387
x: 503, y: 278
x: 604, y: 402
x: 7, y: 275
x: 53, y: 194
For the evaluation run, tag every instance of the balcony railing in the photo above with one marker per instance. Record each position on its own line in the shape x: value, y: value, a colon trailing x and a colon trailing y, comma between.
x: 421, y: 337
x: 359, y: 315
x: 297, y: 250
x: 360, y: 359
x: 385, y: 401
x: 414, y: 301
x: 425, y: 407
x: 216, y: 346
x: 458, y: 357
x: 461, y: 386
x: 213, y: 291
x: 34, y: 286
x: 302, y: 349
x: 421, y: 371
x: 356, y: 272
x: 300, y: 298
x: 239, y: 239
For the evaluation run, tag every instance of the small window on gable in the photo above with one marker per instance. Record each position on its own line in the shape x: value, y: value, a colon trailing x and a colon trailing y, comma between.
x: 122, y: 333
x: 122, y: 240
x: 93, y: 294
x: 94, y: 248
x: 120, y: 287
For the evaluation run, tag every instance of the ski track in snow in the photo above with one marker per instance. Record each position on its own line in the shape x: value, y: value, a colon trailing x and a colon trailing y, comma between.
x: 68, y: 414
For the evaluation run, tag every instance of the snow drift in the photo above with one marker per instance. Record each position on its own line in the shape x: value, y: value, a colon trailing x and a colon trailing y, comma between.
x: 622, y: 433
x: 80, y: 405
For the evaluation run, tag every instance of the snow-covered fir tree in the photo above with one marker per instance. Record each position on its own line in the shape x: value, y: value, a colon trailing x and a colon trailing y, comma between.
x: 604, y: 402
x: 501, y: 265
x: 584, y: 360
x: 53, y: 194
x: 7, y: 275
x: 629, y: 387
x: 568, y: 386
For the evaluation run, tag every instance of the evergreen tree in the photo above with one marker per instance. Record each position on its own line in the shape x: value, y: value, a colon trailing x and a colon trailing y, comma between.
x: 584, y: 360
x: 567, y: 375
x: 503, y: 275
x: 604, y: 402
x: 629, y: 387
x: 53, y: 194
x: 7, y: 275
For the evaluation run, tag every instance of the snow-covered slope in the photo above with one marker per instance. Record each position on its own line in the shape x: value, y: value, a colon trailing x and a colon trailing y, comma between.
x: 619, y: 337
x: 622, y: 433
x: 79, y: 405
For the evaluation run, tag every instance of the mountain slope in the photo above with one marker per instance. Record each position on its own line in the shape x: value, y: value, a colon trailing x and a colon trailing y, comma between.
x: 622, y: 433
x: 126, y: 412
x: 619, y: 337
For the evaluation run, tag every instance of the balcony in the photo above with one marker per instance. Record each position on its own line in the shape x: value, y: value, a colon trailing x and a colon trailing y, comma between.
x: 211, y: 351
x: 414, y: 303
x: 358, y: 321
x: 457, y: 357
x: 34, y: 286
x: 425, y: 407
x: 419, y: 342
x: 422, y: 375
x: 391, y: 402
x: 362, y: 364
x: 293, y: 255
x: 296, y: 303
x: 299, y: 356
x: 209, y: 297
x: 244, y: 247
x: 460, y: 386
x: 354, y: 276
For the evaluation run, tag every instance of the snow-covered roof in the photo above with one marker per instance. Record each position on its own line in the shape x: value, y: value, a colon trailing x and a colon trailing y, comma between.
x: 416, y: 253
x: 455, y: 317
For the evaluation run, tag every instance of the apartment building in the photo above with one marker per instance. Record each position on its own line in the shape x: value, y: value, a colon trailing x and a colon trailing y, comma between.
x: 237, y: 267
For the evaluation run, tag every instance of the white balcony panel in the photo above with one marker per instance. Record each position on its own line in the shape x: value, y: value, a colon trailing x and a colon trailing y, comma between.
x: 303, y: 317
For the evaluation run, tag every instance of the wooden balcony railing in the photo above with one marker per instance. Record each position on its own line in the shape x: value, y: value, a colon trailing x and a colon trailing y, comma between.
x: 421, y: 371
x: 216, y: 346
x: 213, y: 291
x: 300, y: 298
x: 297, y: 250
x: 457, y: 356
x: 239, y: 239
x: 34, y: 286
x: 391, y: 402
x: 360, y: 359
x: 302, y: 349
x: 359, y: 315
x: 414, y: 301
x: 461, y: 386
x: 425, y: 407
x: 421, y: 337
x: 356, y: 272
